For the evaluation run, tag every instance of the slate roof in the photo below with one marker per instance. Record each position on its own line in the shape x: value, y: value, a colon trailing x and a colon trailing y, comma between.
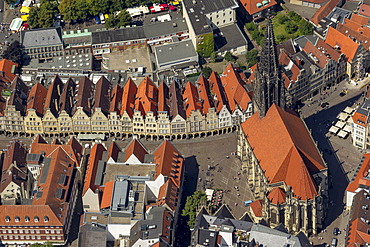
x: 85, y: 95
x: 102, y: 94
x: 123, y: 34
x: 19, y: 95
x: 285, y: 150
x: 41, y: 37
x: 53, y: 96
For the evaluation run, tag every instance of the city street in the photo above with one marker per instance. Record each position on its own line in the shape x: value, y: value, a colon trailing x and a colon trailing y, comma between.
x: 340, y: 155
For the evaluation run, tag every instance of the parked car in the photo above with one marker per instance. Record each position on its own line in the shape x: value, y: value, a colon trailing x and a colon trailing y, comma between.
x: 247, y: 203
x: 102, y: 18
x: 336, y: 231
x: 97, y: 19
x: 334, y: 242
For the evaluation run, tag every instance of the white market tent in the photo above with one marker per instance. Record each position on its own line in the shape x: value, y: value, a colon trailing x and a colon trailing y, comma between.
x: 340, y: 124
x: 16, y: 24
x: 342, y: 134
x: 348, y: 110
x: 209, y: 193
x: 347, y: 128
x: 343, y: 116
x: 334, y: 130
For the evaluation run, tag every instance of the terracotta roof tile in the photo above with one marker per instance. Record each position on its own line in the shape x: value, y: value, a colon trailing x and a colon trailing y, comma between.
x: 204, y: 94
x: 96, y: 155
x: 36, y: 98
x: 364, y: 10
x: 251, y: 6
x: 256, y: 207
x: 346, y: 45
x: 66, y: 98
x: 277, y: 196
x: 53, y: 96
x: 360, y: 19
x: 169, y: 162
x: 317, y: 56
x: 113, y: 151
x: 7, y: 69
x: 191, y: 99
x: 116, y: 99
x: 167, y: 194
x: 360, y: 35
x: 146, y: 97
x: 137, y: 149
x: 107, y: 195
x: 128, y: 99
x: 285, y: 150
x: 218, y: 91
x: 85, y: 95
x: 102, y: 94
x: 324, y: 11
x: 359, y: 176
x: 359, y: 119
x: 163, y: 97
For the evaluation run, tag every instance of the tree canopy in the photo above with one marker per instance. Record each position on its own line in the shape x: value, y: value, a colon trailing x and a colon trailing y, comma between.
x: 191, y: 206
x: 14, y: 53
x: 251, y: 57
x: 122, y: 19
x: 47, y: 244
x: 43, y: 16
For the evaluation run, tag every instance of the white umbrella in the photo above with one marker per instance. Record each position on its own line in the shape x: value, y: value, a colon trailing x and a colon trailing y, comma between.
x: 334, y: 130
x: 340, y: 124
x: 342, y: 134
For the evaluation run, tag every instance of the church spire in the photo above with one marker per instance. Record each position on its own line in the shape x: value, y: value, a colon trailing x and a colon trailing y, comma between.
x: 268, y: 86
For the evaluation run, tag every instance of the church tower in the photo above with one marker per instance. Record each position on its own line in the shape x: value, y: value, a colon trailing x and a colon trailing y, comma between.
x: 268, y: 87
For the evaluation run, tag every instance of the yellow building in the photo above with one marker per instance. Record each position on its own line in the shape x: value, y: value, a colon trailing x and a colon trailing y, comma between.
x: 138, y: 123
x: 99, y: 122
x: 65, y: 123
x: 50, y: 123
x: 151, y: 127
x: 81, y: 121
x: 114, y: 123
x: 33, y: 123
x: 163, y: 123
x: 212, y: 119
x: 126, y: 123
x: 12, y: 120
x: 196, y: 122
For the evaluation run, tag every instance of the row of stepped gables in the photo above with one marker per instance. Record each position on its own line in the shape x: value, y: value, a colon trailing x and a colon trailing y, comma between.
x: 210, y: 106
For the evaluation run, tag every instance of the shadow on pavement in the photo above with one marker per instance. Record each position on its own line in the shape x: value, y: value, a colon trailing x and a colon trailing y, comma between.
x: 191, y: 174
x: 319, y: 123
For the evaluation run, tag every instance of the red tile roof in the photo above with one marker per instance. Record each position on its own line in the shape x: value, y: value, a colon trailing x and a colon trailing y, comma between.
x: 218, y: 91
x: 168, y: 194
x: 251, y: 6
x: 30, y: 211
x: 169, y: 162
x: 358, y: 233
x: 256, y: 207
x: 163, y: 97
x: 73, y: 148
x: 359, y: 178
x: 53, y: 95
x: 204, y: 94
x: 7, y: 69
x: 128, y: 99
x: 36, y: 98
x: 346, y: 45
x: 359, y: 119
x: 320, y: 58
x: 358, y: 35
x: 285, y: 150
x: 135, y: 148
x: 102, y: 94
x: 364, y: 10
x: 116, y: 99
x: 96, y: 155
x: 66, y: 98
x: 191, y: 99
x: 277, y: 196
x: 146, y: 97
x: 232, y: 83
x: 324, y: 11
x: 113, y: 151
x: 107, y: 195
x: 360, y: 19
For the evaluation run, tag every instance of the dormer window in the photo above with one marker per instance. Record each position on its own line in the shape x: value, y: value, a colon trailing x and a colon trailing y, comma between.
x: 17, y: 219
x: 7, y: 219
x: 36, y: 219
x: 46, y: 219
x: 27, y: 219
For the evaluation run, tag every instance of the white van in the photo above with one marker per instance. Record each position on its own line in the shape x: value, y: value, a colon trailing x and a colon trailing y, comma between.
x: 102, y: 19
x: 334, y: 242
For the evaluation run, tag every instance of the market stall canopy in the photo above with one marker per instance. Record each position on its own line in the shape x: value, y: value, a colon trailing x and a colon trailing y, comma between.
x: 209, y: 193
x: 340, y: 124
x: 334, y: 130
x: 348, y: 110
x: 343, y: 116
x: 24, y: 17
x: 342, y: 134
x: 347, y: 128
x: 25, y: 9
x: 16, y: 24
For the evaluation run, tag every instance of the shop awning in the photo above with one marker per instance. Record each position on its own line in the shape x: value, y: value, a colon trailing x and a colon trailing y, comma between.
x: 334, y: 130
x: 343, y: 116
x: 340, y: 124
x: 25, y: 9
x: 348, y: 110
x: 342, y: 134
x: 16, y: 24
x: 24, y: 17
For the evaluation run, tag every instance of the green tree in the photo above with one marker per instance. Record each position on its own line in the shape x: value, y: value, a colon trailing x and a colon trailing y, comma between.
x: 206, y: 45
x: 66, y: 8
x: 281, y: 19
x: 123, y: 19
x: 214, y: 57
x: 251, y: 26
x: 206, y: 71
x: 305, y: 28
x: 14, y: 53
x: 229, y: 57
x: 191, y: 206
x: 47, y: 244
x: 99, y: 6
x: 294, y: 16
x: 251, y: 57
x: 291, y: 27
x: 281, y: 37
x: 43, y: 16
x: 33, y: 18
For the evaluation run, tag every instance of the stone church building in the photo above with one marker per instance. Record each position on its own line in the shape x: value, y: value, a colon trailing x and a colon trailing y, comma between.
x: 286, y: 172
